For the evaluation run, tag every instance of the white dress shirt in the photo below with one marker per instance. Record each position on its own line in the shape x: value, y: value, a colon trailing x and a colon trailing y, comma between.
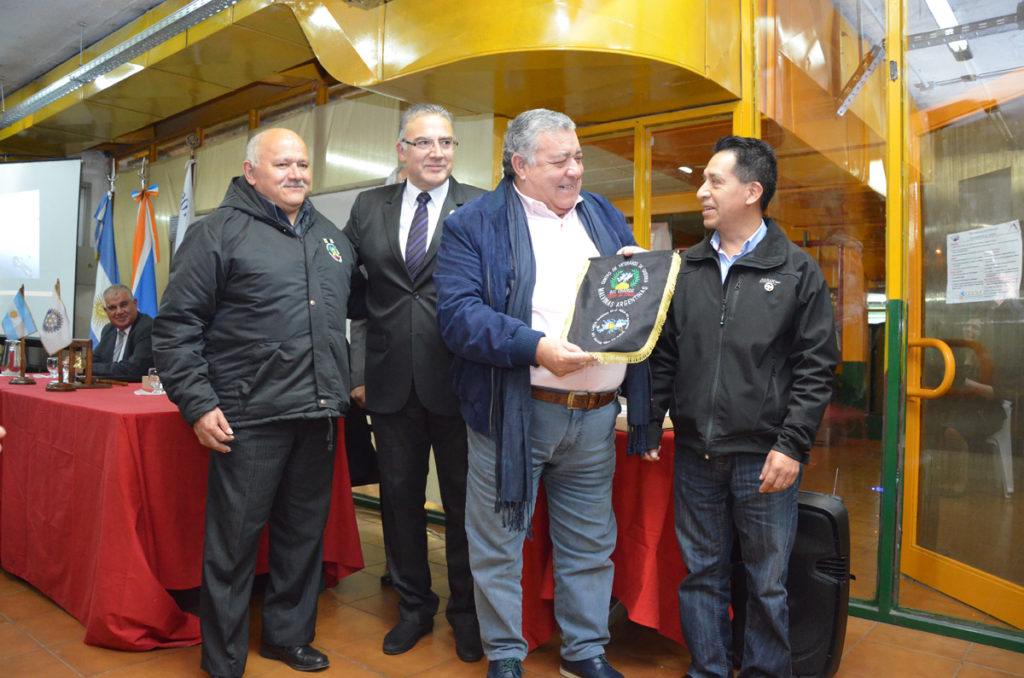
x: 561, y: 248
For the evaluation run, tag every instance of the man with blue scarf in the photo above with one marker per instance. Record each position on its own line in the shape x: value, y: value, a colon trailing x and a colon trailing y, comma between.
x: 536, y: 407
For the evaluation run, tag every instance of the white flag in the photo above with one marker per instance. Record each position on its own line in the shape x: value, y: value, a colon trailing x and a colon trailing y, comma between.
x: 186, y: 212
x: 55, y: 330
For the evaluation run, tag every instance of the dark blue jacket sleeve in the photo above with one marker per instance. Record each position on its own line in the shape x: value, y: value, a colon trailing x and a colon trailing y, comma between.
x: 467, y: 303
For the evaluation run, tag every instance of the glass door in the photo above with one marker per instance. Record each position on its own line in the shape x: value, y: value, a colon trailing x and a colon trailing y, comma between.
x: 963, y: 521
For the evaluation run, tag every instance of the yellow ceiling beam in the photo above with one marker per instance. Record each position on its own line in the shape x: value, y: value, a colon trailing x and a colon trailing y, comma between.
x: 623, y: 57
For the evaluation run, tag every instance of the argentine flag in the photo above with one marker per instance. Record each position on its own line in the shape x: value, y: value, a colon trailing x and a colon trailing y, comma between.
x: 145, y: 252
x: 106, y: 271
x: 17, y: 322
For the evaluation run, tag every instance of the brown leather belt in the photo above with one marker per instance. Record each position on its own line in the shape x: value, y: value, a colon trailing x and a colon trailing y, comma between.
x: 574, y: 400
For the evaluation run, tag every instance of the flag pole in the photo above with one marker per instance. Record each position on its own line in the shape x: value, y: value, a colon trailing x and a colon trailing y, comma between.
x: 22, y: 379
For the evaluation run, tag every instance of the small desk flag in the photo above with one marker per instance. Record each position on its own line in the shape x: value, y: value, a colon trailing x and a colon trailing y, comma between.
x: 56, y: 330
x: 18, y: 321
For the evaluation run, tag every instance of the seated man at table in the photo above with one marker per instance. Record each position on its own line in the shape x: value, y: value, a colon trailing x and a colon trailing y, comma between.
x: 125, y: 350
x: 250, y: 343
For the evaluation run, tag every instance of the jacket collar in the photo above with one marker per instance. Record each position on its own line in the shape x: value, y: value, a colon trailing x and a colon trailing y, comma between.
x: 769, y: 253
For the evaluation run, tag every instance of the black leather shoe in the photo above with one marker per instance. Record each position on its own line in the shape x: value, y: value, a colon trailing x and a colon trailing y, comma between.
x: 595, y: 667
x: 298, y: 657
x: 468, y: 646
x: 405, y: 634
x: 505, y: 668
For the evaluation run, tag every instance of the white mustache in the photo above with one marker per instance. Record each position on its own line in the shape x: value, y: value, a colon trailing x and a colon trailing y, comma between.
x: 294, y: 184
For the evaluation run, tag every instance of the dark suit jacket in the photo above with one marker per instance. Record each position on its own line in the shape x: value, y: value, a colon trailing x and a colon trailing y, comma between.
x: 138, y: 353
x: 403, y: 343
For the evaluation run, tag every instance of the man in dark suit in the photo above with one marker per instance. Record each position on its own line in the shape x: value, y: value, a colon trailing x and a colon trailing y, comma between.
x: 396, y: 231
x: 125, y: 350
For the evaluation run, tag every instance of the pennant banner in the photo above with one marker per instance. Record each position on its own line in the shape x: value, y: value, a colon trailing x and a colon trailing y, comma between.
x: 106, y: 271
x: 56, y: 330
x: 18, y: 321
x: 145, y: 252
x: 621, y: 304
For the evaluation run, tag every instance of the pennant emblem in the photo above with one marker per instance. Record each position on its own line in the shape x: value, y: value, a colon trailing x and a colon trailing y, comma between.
x: 624, y: 284
x: 332, y: 249
x: 609, y: 326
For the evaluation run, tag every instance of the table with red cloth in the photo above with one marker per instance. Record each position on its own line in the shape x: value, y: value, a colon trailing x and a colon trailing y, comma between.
x: 648, y: 565
x: 102, y: 509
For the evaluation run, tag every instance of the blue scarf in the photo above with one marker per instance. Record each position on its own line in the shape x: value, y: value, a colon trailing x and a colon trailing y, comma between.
x: 512, y: 398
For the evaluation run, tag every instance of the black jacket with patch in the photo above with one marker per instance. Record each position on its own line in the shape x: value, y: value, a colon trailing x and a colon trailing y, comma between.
x: 747, y: 366
x: 253, y: 317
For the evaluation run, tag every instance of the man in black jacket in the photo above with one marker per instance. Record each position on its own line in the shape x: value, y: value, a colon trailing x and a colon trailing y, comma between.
x: 250, y: 343
x: 408, y: 384
x: 125, y: 350
x: 746, y: 360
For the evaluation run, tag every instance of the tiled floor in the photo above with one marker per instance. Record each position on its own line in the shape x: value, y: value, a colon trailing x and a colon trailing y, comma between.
x: 39, y: 640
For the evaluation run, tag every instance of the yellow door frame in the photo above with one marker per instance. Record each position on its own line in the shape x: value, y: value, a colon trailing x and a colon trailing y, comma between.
x: 643, y: 130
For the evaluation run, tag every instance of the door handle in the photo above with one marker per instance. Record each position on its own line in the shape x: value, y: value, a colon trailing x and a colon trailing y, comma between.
x: 947, y: 375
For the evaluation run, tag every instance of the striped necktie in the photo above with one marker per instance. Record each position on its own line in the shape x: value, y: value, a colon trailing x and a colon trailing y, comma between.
x: 122, y: 337
x: 416, y: 245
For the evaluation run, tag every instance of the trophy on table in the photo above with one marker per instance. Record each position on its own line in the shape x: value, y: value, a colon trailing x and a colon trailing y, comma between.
x: 77, y: 356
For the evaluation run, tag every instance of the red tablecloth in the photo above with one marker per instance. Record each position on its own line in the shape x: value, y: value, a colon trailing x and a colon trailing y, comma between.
x: 648, y: 566
x: 103, y: 496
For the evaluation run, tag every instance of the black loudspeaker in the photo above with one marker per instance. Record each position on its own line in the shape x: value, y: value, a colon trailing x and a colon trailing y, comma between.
x: 818, y: 584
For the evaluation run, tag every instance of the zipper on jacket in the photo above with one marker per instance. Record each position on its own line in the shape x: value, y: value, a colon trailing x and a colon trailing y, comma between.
x: 718, y: 358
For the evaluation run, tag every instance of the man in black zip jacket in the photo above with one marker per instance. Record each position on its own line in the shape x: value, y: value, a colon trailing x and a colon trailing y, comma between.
x: 250, y: 344
x: 746, y: 360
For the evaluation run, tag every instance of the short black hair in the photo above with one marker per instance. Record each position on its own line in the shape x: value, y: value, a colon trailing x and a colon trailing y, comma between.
x: 755, y: 161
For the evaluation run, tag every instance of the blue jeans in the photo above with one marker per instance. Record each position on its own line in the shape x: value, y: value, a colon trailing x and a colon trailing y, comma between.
x: 712, y: 496
x: 574, y: 452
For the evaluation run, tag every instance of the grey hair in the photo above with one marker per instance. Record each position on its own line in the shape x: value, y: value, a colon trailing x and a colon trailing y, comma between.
x: 252, y: 149
x: 417, y: 110
x: 521, y: 136
x: 118, y: 287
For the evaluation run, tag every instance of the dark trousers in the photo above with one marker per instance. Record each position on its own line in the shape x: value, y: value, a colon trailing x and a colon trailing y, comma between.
x: 404, y: 440
x: 278, y: 473
x: 714, y: 499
